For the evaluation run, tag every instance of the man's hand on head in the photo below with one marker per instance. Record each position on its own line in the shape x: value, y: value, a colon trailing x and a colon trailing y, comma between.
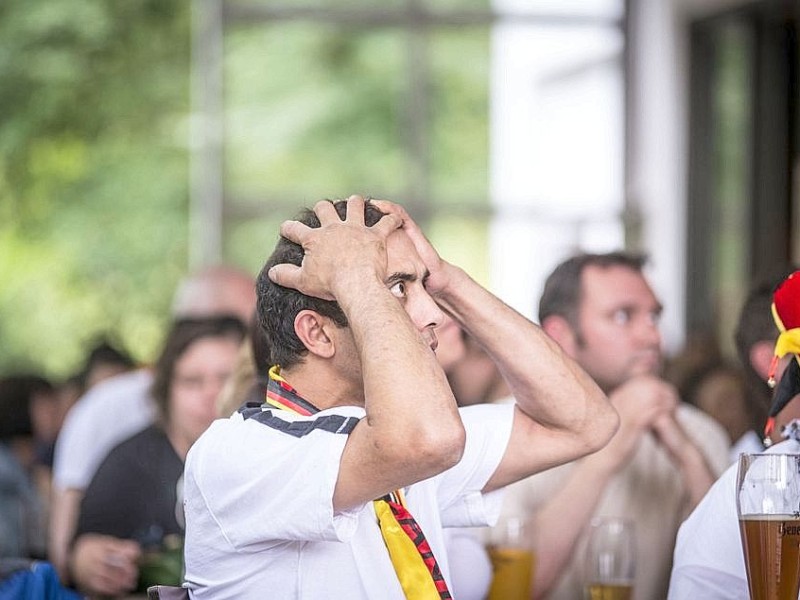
x: 338, y: 254
x: 437, y: 279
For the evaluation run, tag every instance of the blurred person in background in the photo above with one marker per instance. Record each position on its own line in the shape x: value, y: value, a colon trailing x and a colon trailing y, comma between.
x: 93, y: 426
x: 719, y: 391
x: 25, y: 427
x: 662, y: 460
x: 103, y: 362
x: 130, y: 515
x: 709, y: 558
x: 738, y: 397
x: 248, y: 383
x: 475, y: 378
x: 755, y: 338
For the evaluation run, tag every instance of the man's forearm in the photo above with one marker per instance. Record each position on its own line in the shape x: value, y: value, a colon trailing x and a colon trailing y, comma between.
x: 412, y: 429
x: 63, y: 518
x: 395, y: 357
x: 558, y: 524
x: 697, y: 475
x: 544, y: 381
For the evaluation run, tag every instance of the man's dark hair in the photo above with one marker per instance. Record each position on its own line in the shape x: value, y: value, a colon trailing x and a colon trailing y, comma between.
x: 278, y: 306
x: 184, y: 333
x: 562, y: 290
x: 16, y: 395
x: 104, y: 353
x: 756, y: 325
x: 260, y: 350
x: 755, y: 322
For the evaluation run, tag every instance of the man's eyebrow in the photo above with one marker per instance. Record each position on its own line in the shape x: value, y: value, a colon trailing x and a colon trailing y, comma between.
x: 398, y: 276
x: 658, y: 309
x: 632, y: 307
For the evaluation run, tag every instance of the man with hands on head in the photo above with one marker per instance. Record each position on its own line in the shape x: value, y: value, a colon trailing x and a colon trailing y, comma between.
x: 665, y: 456
x: 303, y: 495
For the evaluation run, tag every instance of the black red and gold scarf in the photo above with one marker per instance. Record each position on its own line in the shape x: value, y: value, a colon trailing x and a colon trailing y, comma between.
x: 411, y: 556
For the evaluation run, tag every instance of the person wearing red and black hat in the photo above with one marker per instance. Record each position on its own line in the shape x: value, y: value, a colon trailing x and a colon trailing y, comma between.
x: 708, y: 560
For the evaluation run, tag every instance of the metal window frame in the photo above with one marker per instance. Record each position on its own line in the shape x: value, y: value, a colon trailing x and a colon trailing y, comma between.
x: 210, y: 207
x: 773, y: 154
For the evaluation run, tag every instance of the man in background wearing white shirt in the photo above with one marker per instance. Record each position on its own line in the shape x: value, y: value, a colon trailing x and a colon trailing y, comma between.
x: 121, y: 406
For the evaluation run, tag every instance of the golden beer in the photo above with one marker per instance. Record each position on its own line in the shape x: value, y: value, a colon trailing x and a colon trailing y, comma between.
x: 609, y: 591
x: 771, y: 546
x: 512, y: 569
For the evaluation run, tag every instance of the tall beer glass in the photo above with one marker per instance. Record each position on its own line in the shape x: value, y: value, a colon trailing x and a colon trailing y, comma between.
x: 512, y: 561
x: 610, y: 559
x: 768, y: 505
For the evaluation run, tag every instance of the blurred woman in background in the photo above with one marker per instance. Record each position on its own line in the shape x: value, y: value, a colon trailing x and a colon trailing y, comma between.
x: 130, y: 529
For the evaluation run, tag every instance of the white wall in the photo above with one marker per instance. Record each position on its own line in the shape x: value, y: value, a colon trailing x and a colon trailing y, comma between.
x: 557, y: 145
x: 657, y: 169
x: 657, y: 177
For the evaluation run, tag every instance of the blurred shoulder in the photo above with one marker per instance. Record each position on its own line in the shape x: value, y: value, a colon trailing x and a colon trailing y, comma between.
x: 707, y: 434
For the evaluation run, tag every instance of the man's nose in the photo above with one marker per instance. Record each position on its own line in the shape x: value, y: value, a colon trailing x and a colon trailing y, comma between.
x: 427, y: 313
x: 649, y: 333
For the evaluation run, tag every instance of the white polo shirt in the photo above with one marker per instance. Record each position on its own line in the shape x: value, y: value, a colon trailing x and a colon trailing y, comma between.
x: 259, y: 507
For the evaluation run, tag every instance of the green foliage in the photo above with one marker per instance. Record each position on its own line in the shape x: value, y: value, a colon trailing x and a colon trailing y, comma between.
x: 321, y: 111
x: 313, y: 110
x: 94, y: 159
x: 93, y: 175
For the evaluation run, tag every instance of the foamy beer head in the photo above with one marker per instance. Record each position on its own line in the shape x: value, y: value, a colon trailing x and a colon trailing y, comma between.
x: 769, y: 484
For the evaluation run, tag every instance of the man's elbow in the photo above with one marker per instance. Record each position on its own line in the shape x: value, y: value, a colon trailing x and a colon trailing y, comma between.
x: 601, y: 426
x: 433, y: 452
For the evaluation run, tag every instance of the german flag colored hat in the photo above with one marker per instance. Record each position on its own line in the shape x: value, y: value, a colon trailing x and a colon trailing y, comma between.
x: 786, y: 312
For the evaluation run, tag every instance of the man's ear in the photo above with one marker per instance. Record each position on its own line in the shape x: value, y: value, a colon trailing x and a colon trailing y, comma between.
x: 561, y: 331
x: 312, y: 329
x: 761, y: 357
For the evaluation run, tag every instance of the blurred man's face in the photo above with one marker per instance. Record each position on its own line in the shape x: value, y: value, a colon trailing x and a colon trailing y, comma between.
x: 199, y: 376
x: 618, y: 334
x: 452, y: 347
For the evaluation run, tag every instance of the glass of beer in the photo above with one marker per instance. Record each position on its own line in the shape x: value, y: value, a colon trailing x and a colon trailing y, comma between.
x: 610, y: 559
x: 768, y: 505
x: 512, y: 561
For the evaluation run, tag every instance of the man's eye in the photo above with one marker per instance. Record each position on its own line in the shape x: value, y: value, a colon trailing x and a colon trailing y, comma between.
x: 399, y: 289
x: 621, y: 316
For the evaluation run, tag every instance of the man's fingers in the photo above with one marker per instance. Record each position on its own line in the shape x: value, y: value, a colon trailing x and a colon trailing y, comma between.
x: 325, y: 211
x: 130, y: 550
x: 355, y: 210
x: 291, y: 276
x: 286, y: 275
x: 295, y: 231
x: 408, y: 224
x: 388, y: 224
x: 391, y: 208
